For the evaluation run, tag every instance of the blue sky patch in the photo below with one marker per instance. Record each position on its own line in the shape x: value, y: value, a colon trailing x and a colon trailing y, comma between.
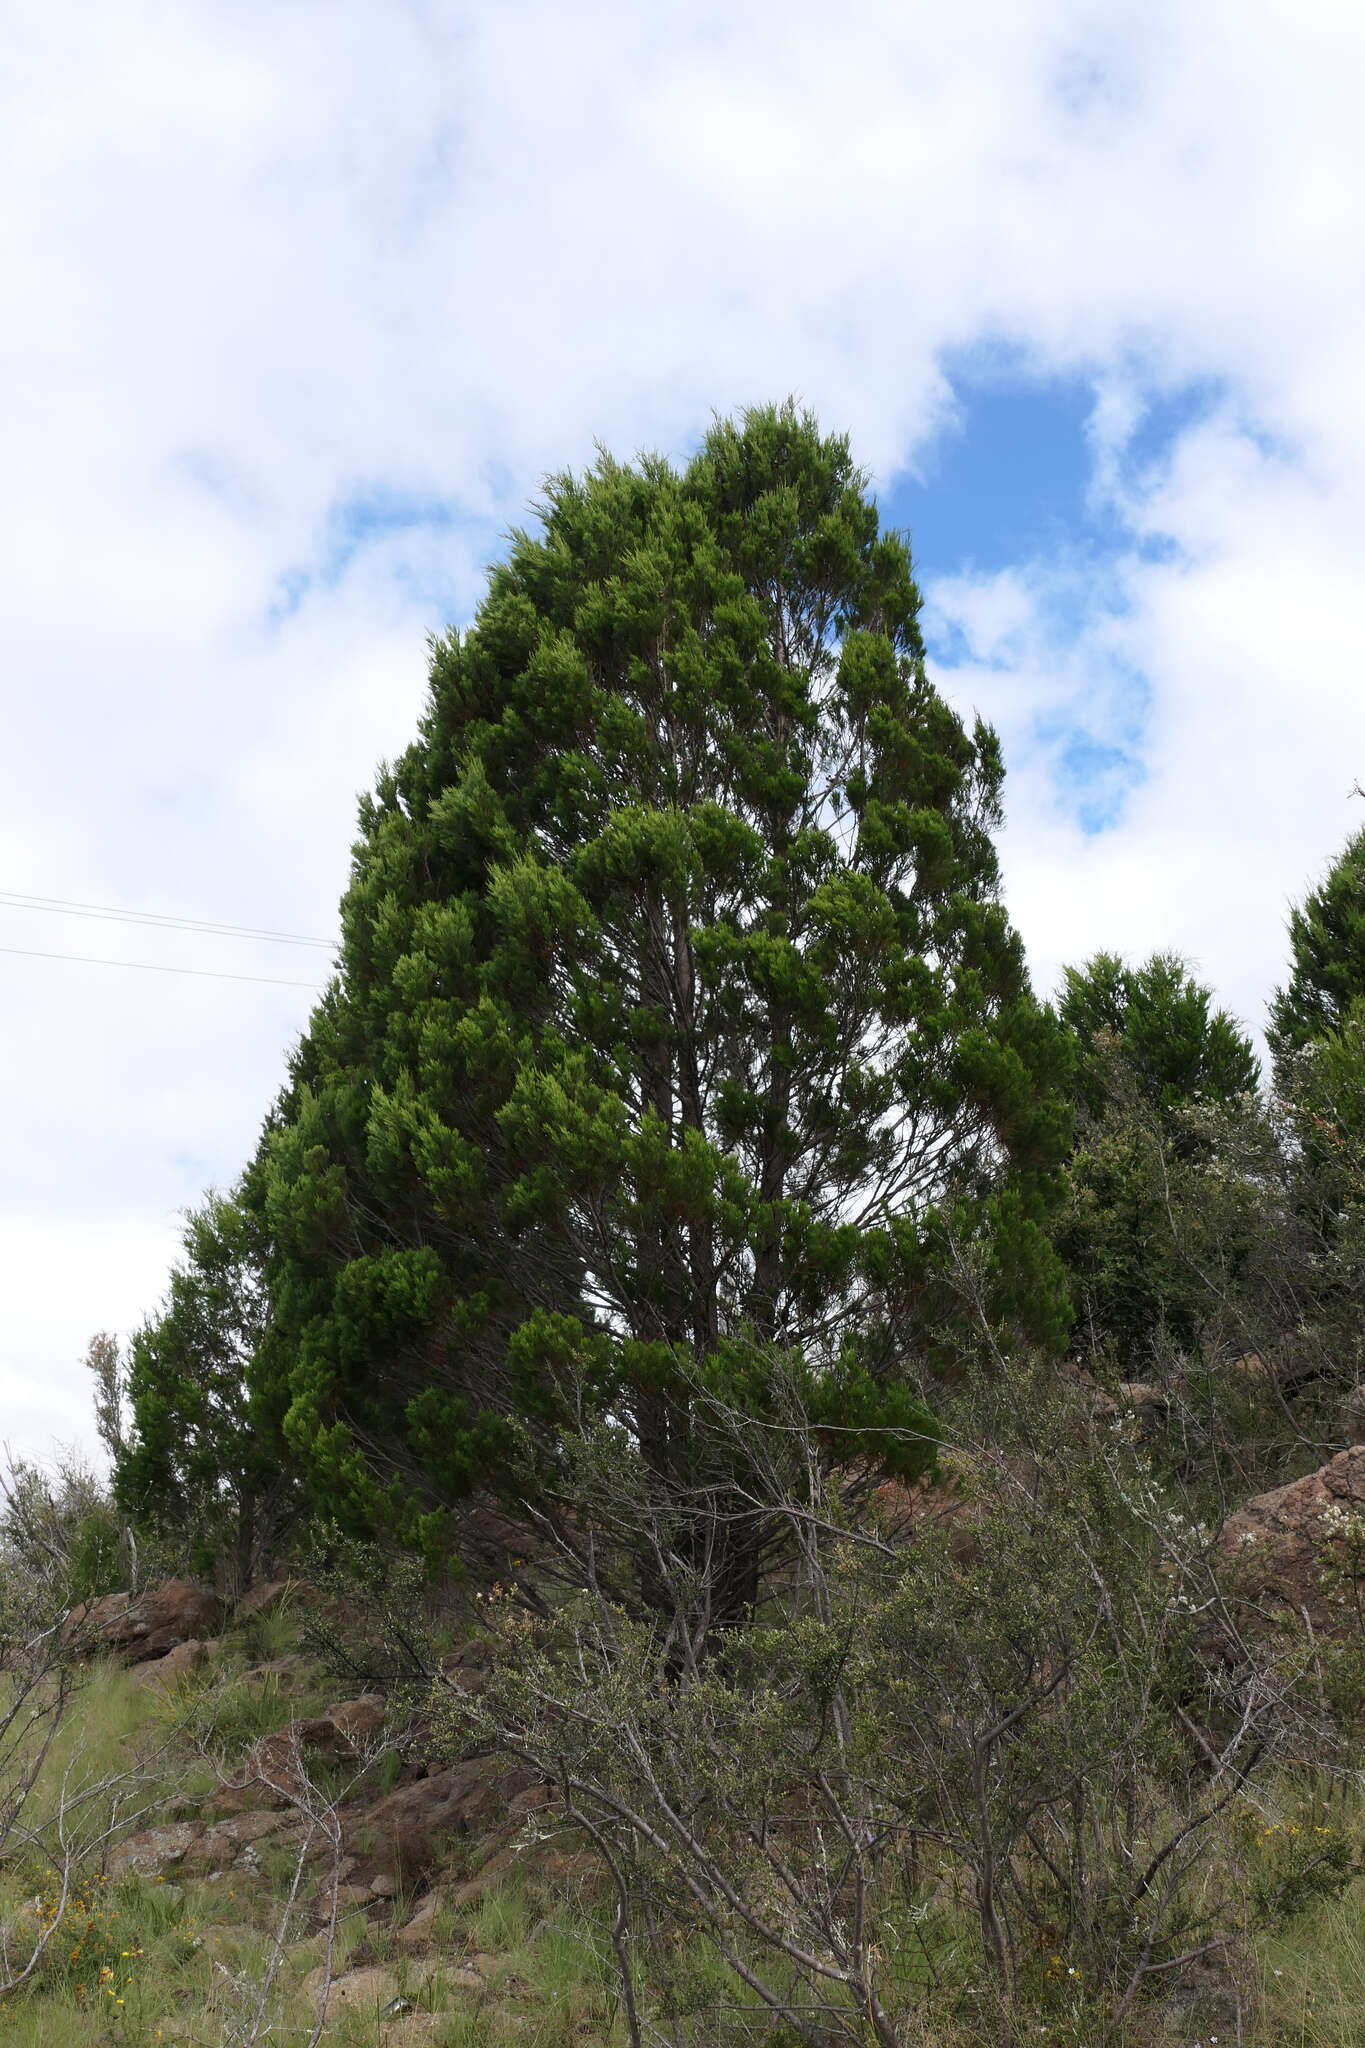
x: 1011, y: 483
x: 1005, y: 482
x: 1011, y: 476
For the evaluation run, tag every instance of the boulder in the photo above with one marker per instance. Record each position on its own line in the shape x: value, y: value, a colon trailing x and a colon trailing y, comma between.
x: 359, y: 1723
x: 149, y: 1626
x: 365, y: 1990
x: 1275, y: 1546
x: 154, y: 1850
x: 175, y: 1665
x: 406, y: 1832
x: 421, y: 1928
x: 261, y: 1598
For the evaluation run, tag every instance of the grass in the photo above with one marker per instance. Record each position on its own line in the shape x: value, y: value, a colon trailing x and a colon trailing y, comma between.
x: 1311, y: 1976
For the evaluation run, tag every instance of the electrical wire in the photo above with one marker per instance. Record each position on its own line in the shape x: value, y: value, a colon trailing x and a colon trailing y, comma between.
x: 155, y: 920
x: 152, y: 967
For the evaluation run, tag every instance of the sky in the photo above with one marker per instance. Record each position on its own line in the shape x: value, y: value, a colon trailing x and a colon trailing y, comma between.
x: 303, y: 298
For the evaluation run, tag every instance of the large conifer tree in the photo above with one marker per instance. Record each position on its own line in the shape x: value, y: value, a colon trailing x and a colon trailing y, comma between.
x: 678, y: 1022
x: 1327, y: 957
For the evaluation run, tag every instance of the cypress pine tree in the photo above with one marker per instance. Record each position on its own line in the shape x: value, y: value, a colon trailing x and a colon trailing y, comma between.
x: 1327, y: 957
x: 1158, y: 1019
x: 1149, y: 1046
x: 678, y: 1022
x: 203, y: 1459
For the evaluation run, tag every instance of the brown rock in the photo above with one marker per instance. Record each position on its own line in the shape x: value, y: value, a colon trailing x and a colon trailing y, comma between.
x: 154, y: 1850
x: 1277, y: 1543
x: 175, y: 1665
x: 88, y: 1623
x: 406, y: 1832
x: 364, y: 1990
x: 260, y: 1599
x: 149, y: 1626
x: 421, y: 1928
x: 359, y: 1723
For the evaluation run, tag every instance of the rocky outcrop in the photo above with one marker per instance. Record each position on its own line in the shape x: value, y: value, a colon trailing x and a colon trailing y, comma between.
x: 277, y: 1769
x: 364, y: 1990
x: 155, y: 1850
x: 262, y: 1598
x: 373, y: 1989
x: 408, y: 1833
x: 178, y: 1663
x: 150, y: 1625
x: 1286, y: 1550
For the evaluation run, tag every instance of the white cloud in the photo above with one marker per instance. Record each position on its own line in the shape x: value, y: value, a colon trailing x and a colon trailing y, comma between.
x: 267, y: 262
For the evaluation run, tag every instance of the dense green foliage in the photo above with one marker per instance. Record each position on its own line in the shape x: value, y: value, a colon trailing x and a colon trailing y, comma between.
x: 1327, y: 957
x: 1149, y: 1049
x: 1158, y: 1020
x: 678, y: 1018
x: 202, y: 1461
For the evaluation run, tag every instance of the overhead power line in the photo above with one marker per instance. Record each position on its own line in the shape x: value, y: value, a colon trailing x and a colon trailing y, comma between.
x: 155, y: 920
x: 152, y: 967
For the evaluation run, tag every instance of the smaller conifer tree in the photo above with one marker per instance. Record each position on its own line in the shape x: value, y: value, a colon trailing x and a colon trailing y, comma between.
x: 1327, y: 958
x: 201, y: 1460
x: 1160, y: 1021
x: 1149, y: 1047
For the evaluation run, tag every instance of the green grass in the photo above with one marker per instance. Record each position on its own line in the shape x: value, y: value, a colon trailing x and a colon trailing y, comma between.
x: 263, y: 1637
x: 1311, y: 1976
x: 501, y: 1919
